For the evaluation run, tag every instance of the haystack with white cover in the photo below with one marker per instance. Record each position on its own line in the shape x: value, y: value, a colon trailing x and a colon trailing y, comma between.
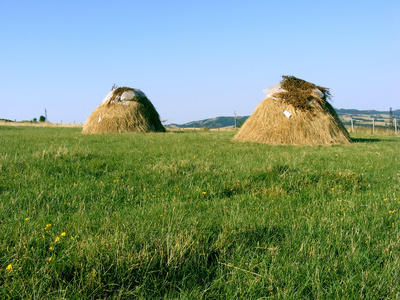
x: 294, y: 112
x: 124, y: 110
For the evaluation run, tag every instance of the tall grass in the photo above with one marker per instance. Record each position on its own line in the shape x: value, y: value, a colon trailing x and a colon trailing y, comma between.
x: 369, y: 130
x: 194, y: 215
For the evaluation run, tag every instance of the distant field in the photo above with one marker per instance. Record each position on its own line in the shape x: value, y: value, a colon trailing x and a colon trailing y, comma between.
x: 193, y: 215
x: 38, y: 124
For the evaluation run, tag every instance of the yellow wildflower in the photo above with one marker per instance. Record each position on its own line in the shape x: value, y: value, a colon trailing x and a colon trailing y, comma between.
x: 63, y: 234
x: 9, y: 267
x: 57, y: 240
x: 51, y: 248
x: 27, y: 219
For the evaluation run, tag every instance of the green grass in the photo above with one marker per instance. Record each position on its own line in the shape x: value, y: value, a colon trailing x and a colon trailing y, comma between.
x: 193, y: 215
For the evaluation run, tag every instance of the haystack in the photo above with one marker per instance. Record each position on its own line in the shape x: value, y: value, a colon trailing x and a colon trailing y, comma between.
x: 294, y: 112
x: 124, y: 110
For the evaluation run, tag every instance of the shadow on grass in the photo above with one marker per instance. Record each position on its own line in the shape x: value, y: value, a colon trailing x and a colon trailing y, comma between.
x: 175, y: 131
x: 366, y: 140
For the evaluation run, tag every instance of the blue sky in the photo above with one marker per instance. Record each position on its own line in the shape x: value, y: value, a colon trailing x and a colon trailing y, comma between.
x: 193, y: 59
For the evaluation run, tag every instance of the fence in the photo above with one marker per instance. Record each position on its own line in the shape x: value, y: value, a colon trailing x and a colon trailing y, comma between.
x: 375, y: 124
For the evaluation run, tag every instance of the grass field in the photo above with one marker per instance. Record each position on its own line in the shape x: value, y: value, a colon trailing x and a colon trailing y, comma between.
x: 193, y: 215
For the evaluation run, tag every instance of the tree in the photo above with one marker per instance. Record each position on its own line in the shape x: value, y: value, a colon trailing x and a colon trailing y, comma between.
x: 34, y: 120
x: 42, y: 119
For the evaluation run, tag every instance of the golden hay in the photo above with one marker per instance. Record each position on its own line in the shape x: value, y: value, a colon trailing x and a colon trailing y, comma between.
x: 317, y: 126
x: 117, y: 116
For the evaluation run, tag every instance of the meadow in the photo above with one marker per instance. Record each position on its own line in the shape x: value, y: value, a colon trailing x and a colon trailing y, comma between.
x: 194, y: 215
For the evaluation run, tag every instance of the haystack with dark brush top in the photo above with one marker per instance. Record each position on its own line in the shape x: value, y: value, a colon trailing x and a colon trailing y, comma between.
x: 294, y: 112
x: 124, y: 110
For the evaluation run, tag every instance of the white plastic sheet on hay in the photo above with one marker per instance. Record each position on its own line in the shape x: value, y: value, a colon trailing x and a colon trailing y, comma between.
x: 128, y: 95
x: 108, y: 97
x: 276, y: 88
x: 318, y: 93
x: 272, y: 90
x: 124, y: 98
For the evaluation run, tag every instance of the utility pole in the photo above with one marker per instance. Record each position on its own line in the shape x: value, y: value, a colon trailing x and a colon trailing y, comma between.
x: 45, y: 115
x: 235, y: 118
x: 373, y: 124
x: 390, y: 118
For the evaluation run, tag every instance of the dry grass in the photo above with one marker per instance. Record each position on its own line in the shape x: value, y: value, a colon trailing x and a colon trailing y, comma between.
x: 368, y: 130
x: 113, y: 116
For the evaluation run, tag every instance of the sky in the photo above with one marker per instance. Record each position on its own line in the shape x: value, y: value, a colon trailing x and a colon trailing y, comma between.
x: 193, y: 59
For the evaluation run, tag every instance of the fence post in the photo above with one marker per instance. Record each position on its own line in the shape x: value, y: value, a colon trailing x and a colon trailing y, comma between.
x: 352, y: 125
x: 395, y: 125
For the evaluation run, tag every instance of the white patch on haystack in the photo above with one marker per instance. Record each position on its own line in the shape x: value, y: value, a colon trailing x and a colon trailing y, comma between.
x: 128, y: 95
x: 108, y: 97
x: 287, y: 114
x: 98, y: 121
x: 276, y: 88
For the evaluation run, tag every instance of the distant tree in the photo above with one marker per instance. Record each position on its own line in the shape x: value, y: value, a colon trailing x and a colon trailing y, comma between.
x: 34, y: 120
x: 42, y: 119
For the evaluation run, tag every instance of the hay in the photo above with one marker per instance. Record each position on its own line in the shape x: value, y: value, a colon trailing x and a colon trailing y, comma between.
x: 301, y: 94
x: 124, y: 110
x: 279, y: 119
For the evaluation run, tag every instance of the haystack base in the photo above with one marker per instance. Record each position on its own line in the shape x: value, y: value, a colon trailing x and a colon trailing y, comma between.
x: 117, y: 118
x: 268, y: 124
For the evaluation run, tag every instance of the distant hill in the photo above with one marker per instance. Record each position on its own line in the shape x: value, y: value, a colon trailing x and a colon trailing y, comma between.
x: 218, y: 122
x: 360, y: 117
x: 343, y: 111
